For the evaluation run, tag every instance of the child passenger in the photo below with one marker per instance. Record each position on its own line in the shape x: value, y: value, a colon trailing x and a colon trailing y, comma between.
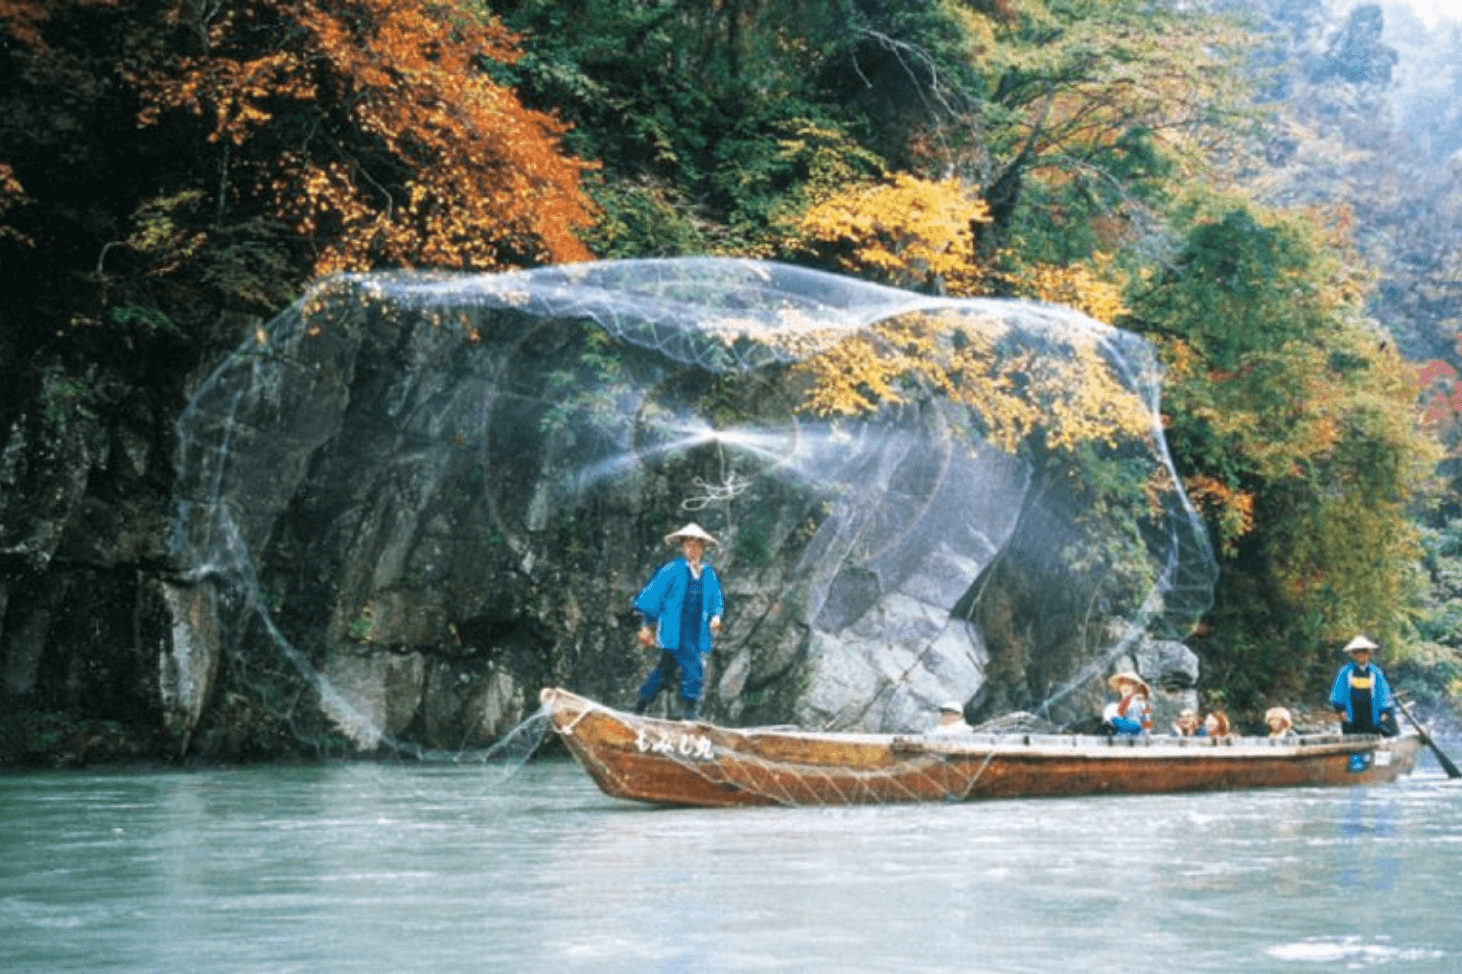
x: 1131, y: 715
x: 1280, y: 722
x: 1215, y: 724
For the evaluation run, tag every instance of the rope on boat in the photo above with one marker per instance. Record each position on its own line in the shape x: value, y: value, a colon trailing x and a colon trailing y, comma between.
x: 990, y: 754
x: 583, y: 712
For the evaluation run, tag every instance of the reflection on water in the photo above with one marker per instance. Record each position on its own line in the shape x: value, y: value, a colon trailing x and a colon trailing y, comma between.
x: 453, y: 868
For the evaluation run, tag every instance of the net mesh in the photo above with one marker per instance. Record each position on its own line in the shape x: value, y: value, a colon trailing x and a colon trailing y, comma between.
x: 420, y: 496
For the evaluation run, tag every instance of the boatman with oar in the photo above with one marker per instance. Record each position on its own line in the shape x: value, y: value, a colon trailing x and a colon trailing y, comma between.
x: 1361, y: 697
x: 682, y: 606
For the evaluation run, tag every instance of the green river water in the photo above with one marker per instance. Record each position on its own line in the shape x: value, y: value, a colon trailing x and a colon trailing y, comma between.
x: 446, y: 868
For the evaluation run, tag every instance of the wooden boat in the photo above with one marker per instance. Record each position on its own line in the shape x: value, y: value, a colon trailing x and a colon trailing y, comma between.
x: 696, y: 763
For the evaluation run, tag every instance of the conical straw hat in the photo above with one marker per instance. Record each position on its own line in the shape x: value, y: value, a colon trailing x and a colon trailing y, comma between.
x: 1127, y: 676
x: 691, y: 530
x: 1360, y: 642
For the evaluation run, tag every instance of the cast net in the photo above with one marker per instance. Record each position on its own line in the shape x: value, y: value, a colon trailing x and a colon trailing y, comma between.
x: 412, y: 500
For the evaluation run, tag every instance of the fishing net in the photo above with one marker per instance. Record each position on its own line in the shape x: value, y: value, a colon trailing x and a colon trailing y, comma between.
x: 413, y: 499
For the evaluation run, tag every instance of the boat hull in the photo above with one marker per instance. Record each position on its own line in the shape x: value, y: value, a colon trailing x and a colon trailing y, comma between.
x: 701, y: 764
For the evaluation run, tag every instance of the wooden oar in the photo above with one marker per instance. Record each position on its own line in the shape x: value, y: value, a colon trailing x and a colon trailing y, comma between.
x: 1426, y: 739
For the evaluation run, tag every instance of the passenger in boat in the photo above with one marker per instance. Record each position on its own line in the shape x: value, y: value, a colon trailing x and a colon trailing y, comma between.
x: 1187, y: 723
x: 682, y: 606
x: 951, y: 719
x: 1215, y: 725
x: 1132, y: 714
x: 1361, y: 696
x: 1280, y: 722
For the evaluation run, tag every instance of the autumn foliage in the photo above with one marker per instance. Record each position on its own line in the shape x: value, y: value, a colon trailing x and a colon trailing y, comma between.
x: 243, y: 148
x: 442, y: 166
x: 1296, y: 425
x: 909, y: 232
x: 172, y: 172
x: 1061, y: 389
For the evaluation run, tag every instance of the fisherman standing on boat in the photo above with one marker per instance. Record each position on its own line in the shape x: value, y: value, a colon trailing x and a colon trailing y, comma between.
x: 1131, y: 715
x: 683, y: 602
x: 1361, y: 696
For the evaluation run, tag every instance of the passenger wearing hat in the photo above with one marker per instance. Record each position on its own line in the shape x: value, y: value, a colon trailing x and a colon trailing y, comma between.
x: 1132, y: 714
x: 682, y: 606
x: 1361, y: 696
x: 951, y: 719
x: 1280, y: 722
x: 1216, y: 724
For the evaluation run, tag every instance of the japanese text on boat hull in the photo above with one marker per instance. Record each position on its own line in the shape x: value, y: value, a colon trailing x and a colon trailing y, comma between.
x: 674, y: 743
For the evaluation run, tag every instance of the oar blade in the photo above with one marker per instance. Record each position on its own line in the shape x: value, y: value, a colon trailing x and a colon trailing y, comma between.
x: 1442, y: 759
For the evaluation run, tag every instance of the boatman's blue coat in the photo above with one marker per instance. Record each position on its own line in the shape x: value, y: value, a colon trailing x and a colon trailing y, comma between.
x: 1380, y: 693
x: 663, y: 599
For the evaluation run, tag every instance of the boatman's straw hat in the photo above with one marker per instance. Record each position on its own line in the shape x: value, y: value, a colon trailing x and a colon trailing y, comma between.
x: 951, y: 707
x: 1360, y: 642
x: 1127, y: 676
x: 691, y: 530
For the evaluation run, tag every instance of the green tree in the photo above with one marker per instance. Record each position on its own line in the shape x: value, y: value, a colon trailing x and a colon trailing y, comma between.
x: 1069, y: 117
x: 1295, y: 423
x: 708, y: 118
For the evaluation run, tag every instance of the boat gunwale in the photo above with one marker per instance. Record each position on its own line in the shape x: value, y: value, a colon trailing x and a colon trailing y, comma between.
x: 1016, y: 744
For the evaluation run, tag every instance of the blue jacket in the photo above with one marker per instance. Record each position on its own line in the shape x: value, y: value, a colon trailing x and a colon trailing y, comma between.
x: 662, y: 600
x: 1380, y: 693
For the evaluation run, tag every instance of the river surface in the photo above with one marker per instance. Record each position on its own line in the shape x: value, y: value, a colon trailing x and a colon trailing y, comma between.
x: 445, y: 868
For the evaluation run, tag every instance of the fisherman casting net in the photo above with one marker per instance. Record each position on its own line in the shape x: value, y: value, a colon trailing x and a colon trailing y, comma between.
x: 412, y: 500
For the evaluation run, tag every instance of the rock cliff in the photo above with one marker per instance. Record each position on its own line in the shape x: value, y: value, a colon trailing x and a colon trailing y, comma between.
x: 398, y: 510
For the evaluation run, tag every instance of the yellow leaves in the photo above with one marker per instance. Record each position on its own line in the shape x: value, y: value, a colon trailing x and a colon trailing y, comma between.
x: 1059, y: 387
x: 487, y: 177
x: 852, y: 378
x: 910, y: 232
x: 12, y: 194
x: 1089, y: 288
x: 231, y: 92
x: 23, y: 20
x: 158, y: 234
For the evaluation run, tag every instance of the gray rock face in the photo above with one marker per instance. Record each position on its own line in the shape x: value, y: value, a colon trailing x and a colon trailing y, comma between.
x: 885, y: 648
x: 188, y: 657
x: 432, y: 496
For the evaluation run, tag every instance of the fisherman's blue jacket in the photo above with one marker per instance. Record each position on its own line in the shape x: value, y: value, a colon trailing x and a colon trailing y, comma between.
x: 663, y: 599
x: 1380, y: 693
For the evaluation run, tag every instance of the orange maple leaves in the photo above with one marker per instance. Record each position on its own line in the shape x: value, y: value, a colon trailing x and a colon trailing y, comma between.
x: 373, y: 129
